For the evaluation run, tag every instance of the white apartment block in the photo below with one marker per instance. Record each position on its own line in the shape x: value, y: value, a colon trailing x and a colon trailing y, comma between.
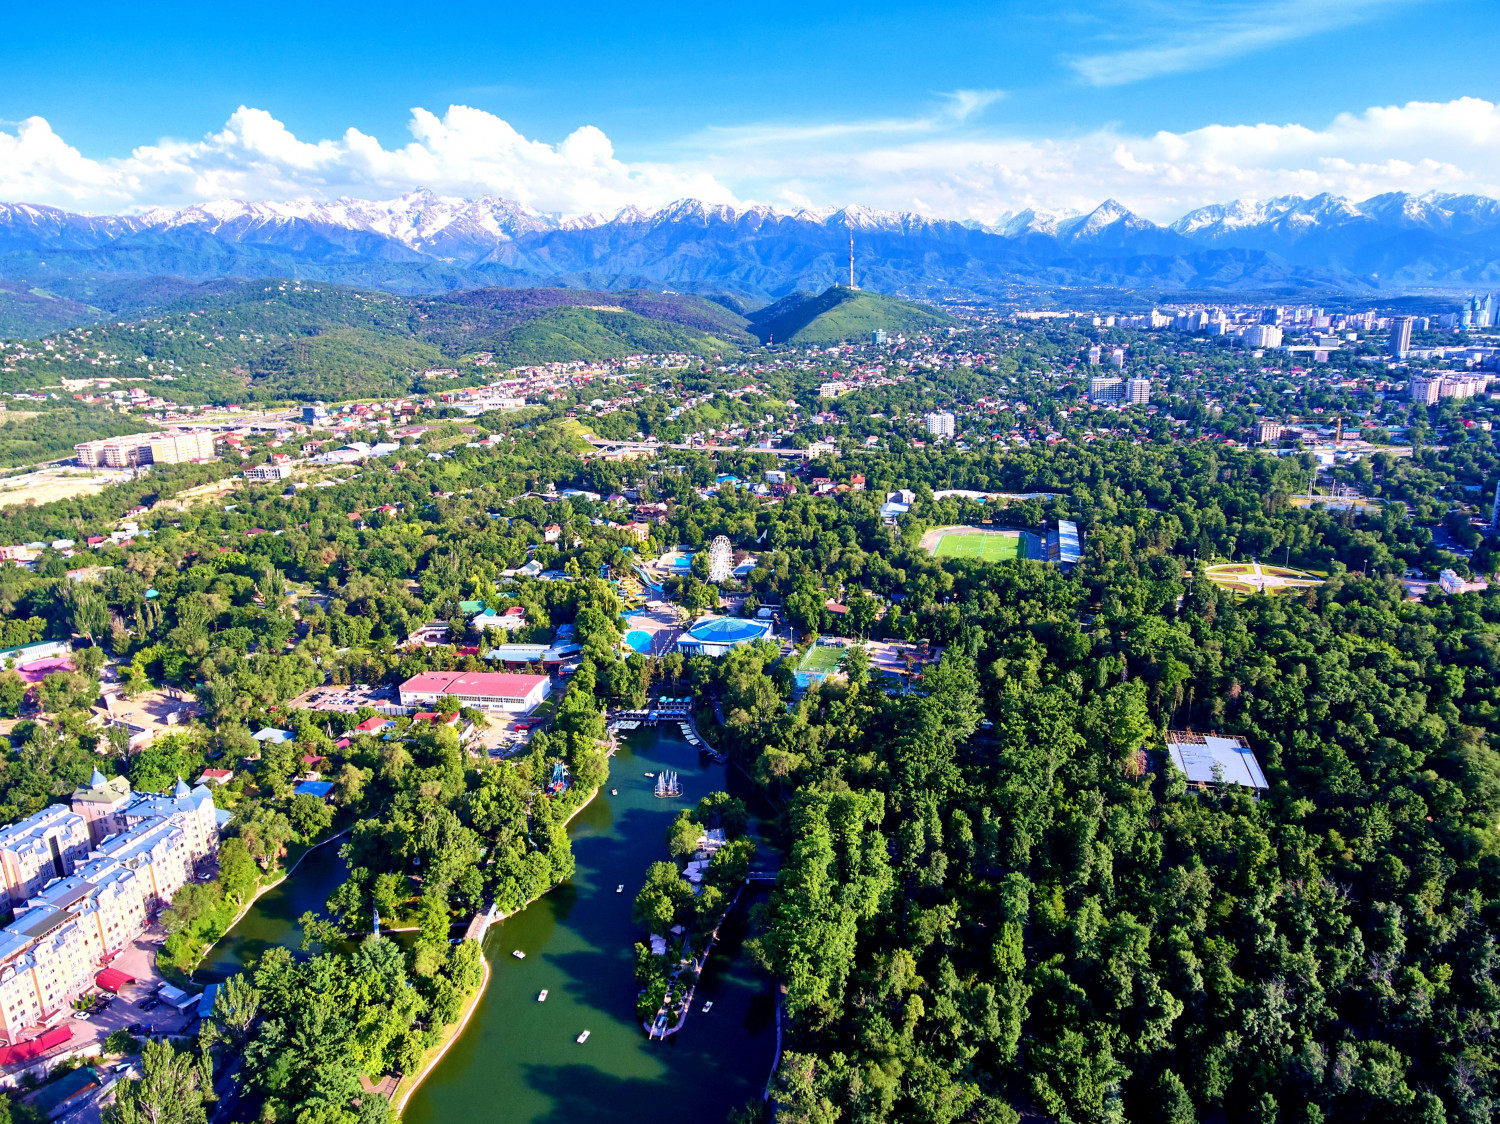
x: 146, y: 448
x: 1261, y: 336
x: 1425, y: 390
x: 68, y: 928
x: 1111, y: 389
x: 940, y: 424
x: 45, y: 846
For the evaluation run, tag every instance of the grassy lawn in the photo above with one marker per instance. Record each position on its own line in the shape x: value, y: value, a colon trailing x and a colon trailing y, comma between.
x: 985, y: 546
x: 821, y: 659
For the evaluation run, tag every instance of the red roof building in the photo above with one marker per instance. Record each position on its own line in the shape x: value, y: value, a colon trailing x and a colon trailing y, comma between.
x: 514, y: 692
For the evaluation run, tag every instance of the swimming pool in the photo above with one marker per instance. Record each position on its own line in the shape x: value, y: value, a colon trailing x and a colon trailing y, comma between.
x: 639, y: 640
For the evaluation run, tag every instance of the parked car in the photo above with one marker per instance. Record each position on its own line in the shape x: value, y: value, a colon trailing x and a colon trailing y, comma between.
x: 84, y: 1015
x: 149, y: 1003
x: 138, y: 1028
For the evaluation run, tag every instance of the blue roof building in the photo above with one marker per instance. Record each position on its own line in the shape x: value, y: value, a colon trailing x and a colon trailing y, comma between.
x: 717, y: 636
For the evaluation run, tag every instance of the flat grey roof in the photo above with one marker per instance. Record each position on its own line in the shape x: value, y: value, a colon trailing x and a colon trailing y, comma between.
x: 1198, y: 754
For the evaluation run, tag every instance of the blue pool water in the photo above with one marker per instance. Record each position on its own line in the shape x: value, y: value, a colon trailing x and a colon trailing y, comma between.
x: 639, y: 640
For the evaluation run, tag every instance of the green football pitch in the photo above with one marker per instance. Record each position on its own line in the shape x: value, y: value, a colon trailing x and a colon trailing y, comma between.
x: 821, y: 659
x: 986, y: 546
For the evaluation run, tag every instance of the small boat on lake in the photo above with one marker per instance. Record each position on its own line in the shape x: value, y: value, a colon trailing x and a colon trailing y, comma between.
x: 620, y: 889
x: 707, y: 1007
x: 518, y: 954
x: 651, y: 774
x: 582, y: 1038
x: 542, y: 998
x: 614, y: 792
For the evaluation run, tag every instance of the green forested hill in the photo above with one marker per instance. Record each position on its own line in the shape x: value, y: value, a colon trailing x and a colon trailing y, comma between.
x: 592, y: 333
x: 27, y: 313
x: 839, y: 314
x: 267, y: 340
x: 342, y: 363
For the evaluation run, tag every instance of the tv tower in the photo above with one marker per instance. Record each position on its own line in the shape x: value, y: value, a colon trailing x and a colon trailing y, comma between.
x: 851, y: 257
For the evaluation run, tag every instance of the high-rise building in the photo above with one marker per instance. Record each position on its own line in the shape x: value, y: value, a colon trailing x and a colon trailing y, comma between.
x: 1117, y: 358
x: 1094, y: 355
x: 87, y: 903
x: 940, y: 424
x: 1106, y: 390
x: 1261, y: 336
x: 1137, y: 391
x: 1401, y: 336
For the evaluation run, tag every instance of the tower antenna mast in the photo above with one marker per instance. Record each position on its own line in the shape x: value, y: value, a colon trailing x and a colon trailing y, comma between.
x: 851, y: 257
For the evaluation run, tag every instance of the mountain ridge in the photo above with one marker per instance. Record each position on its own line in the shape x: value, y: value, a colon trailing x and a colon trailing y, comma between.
x: 426, y: 242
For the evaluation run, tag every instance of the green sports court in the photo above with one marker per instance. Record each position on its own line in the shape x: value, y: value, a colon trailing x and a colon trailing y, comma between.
x: 983, y: 546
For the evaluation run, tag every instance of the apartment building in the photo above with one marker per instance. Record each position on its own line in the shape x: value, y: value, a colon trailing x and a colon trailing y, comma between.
x: 1262, y: 335
x: 1268, y: 431
x: 1111, y: 389
x: 46, y: 845
x: 177, y: 448
x: 171, y: 447
x: 95, y: 901
x: 940, y: 424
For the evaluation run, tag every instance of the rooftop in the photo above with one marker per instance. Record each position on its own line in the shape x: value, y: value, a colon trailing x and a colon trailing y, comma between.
x: 1215, y: 759
x: 482, y: 683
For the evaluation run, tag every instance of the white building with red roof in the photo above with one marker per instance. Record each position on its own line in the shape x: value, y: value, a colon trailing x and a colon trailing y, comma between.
x: 513, y: 692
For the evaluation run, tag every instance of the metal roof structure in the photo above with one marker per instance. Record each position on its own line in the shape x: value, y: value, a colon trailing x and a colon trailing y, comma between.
x: 1215, y: 759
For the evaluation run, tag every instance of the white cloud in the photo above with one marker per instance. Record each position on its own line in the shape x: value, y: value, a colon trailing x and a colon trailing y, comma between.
x: 968, y: 174
x: 1170, y: 38
x: 944, y: 163
x: 464, y: 152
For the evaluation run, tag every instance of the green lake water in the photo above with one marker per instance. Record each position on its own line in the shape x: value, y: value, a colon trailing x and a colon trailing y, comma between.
x: 518, y: 1060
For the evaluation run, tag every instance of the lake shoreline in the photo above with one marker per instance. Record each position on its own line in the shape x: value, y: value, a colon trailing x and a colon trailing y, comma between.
x: 472, y: 1004
x: 262, y: 890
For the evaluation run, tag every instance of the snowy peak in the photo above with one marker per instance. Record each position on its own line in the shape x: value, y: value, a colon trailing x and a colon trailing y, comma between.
x: 1033, y: 221
x: 1110, y: 218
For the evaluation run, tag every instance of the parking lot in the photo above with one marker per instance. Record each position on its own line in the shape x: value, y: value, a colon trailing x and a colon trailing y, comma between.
x: 347, y: 698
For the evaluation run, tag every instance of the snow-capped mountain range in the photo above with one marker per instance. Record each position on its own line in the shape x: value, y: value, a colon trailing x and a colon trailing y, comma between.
x: 423, y: 240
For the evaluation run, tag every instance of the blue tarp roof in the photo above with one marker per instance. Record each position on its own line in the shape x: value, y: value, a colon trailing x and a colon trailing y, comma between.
x: 319, y: 789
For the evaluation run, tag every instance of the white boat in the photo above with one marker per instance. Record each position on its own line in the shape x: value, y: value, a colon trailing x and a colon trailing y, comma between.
x: 542, y: 998
x: 651, y: 774
x: 620, y: 889
x: 582, y: 1038
x: 709, y: 1006
x: 614, y: 792
x: 518, y: 954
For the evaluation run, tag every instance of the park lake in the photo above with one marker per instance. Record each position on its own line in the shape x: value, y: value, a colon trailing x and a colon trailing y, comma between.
x: 518, y: 1060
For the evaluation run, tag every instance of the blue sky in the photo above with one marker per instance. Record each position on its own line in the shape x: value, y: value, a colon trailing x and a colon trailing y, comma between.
x: 964, y: 109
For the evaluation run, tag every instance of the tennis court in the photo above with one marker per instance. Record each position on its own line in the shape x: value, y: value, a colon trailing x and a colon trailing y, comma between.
x: 983, y: 546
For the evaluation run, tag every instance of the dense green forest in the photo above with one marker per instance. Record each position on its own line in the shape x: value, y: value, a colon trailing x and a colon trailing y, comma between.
x: 997, y: 896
